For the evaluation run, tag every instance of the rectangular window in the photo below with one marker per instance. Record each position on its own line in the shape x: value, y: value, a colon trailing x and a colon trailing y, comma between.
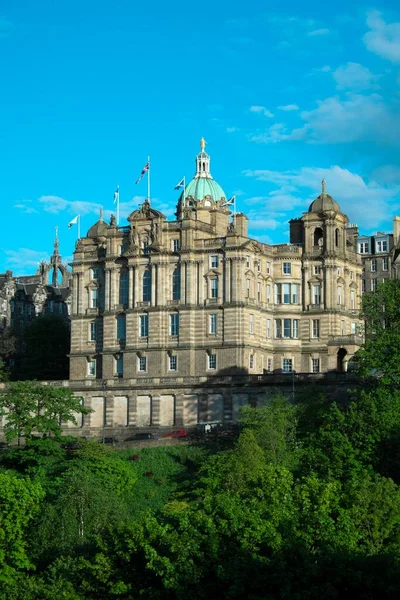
x: 278, y: 328
x: 286, y: 293
x: 259, y: 292
x: 175, y: 246
x: 172, y: 363
x: 381, y: 245
x: 145, y: 246
x: 146, y: 291
x: 374, y: 263
x: 364, y: 285
x: 214, y: 261
x: 176, y: 283
x: 95, y: 273
x: 251, y: 361
x: 123, y: 288
x: 174, y: 324
x: 315, y: 328
x: 352, y: 300
x: 287, y: 268
x: 213, y: 324
x: 269, y: 365
x: 214, y: 288
x: 317, y: 269
x: 212, y: 361
x: 342, y: 327
x: 278, y: 293
x: 142, y: 364
x: 353, y: 327
x: 268, y: 292
x: 93, y: 331
x: 258, y: 265
x: 385, y: 264
x: 91, y: 368
x: 121, y: 327
x: 339, y: 296
x: 316, y: 294
x: 363, y: 247
x: 94, y: 298
x: 251, y: 324
x: 248, y: 285
x: 351, y: 275
x: 119, y: 365
x: 268, y: 328
x: 287, y: 365
x: 144, y: 325
x: 287, y: 328
x: 315, y: 365
x: 338, y: 271
x: 295, y: 329
x: 374, y: 285
x: 268, y: 268
x: 247, y: 261
x: 295, y: 293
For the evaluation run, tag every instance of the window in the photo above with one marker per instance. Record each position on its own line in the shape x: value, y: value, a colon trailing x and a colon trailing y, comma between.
x: 286, y: 293
x: 251, y: 361
x: 268, y: 328
x: 247, y: 261
x: 385, y: 264
x: 317, y: 269
x: 95, y: 273
x: 176, y: 283
x: 259, y: 292
x: 364, y: 287
x: 338, y: 271
x: 352, y: 300
x: 214, y: 261
x: 316, y: 294
x: 142, y: 364
x: 339, y: 295
x: 212, y: 323
x: 251, y: 324
x: 381, y: 245
x: 278, y: 293
x: 143, y: 325
x: 258, y: 265
x: 373, y: 265
x: 174, y: 324
x: 173, y: 363
x: 363, y: 247
x: 351, y: 275
x: 212, y: 361
x: 123, y: 287
x: 342, y: 327
x: 315, y: 328
x: 146, y: 295
x: 295, y: 293
x: 374, y: 285
x: 268, y: 268
x: 248, y: 285
x: 94, y: 298
x: 91, y: 371
x: 268, y: 292
x: 269, y: 365
x: 214, y: 288
x: 287, y: 328
x: 315, y: 365
x: 145, y: 246
x: 121, y: 327
x: 93, y: 331
x: 287, y: 365
x: 175, y: 246
x: 119, y: 365
x: 287, y: 268
x: 354, y: 328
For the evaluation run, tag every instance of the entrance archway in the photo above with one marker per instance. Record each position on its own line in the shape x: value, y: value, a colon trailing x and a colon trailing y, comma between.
x: 341, y: 362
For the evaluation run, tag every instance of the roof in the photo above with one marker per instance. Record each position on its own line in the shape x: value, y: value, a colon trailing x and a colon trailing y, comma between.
x: 98, y: 229
x: 201, y: 187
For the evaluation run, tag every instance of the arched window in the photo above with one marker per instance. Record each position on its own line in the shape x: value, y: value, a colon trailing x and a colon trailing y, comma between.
x: 337, y: 237
x: 123, y: 287
x: 318, y: 237
x: 176, y: 283
x: 147, y: 285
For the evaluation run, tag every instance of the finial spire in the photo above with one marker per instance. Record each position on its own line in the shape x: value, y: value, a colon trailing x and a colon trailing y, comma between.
x: 56, y: 245
x: 101, y: 213
x: 323, y: 182
x: 202, y: 144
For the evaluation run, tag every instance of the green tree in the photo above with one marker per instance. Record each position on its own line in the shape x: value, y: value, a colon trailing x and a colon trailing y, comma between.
x: 31, y: 407
x: 44, y: 354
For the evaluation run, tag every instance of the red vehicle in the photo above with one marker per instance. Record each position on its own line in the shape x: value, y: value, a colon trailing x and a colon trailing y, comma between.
x: 176, y: 433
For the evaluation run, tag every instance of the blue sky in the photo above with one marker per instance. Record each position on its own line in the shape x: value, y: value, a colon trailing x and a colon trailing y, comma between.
x: 285, y: 93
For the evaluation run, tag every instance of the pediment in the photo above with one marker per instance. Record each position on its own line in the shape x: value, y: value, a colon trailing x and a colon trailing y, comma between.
x: 212, y: 273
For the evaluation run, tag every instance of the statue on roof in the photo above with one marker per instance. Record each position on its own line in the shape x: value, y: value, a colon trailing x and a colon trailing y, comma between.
x: 202, y: 144
x: 323, y: 183
x: 113, y: 221
x: 134, y: 240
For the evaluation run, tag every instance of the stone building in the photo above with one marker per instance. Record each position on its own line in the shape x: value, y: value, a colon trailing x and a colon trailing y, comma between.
x: 161, y: 308
x: 22, y: 298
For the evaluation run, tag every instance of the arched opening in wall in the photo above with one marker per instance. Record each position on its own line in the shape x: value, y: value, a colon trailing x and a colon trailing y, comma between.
x: 318, y: 237
x: 337, y: 238
x: 341, y: 360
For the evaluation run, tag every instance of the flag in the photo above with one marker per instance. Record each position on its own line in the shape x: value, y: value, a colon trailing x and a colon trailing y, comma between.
x: 73, y: 222
x: 116, y: 194
x: 229, y: 202
x: 180, y: 185
x: 144, y: 170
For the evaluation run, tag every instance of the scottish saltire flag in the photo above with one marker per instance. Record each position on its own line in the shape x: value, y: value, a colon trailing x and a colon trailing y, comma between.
x: 144, y: 170
x: 73, y: 222
x: 116, y: 194
x: 180, y: 185
x: 229, y: 202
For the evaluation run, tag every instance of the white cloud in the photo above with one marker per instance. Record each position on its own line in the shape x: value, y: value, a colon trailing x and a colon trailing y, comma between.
x: 25, y: 260
x: 261, y: 110
x: 25, y: 207
x: 232, y: 129
x: 353, y: 76
x: 383, y: 38
x: 288, y: 107
x: 317, y: 32
x: 364, y: 201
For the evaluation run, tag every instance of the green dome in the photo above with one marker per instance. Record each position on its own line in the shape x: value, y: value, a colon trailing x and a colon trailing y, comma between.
x: 201, y: 187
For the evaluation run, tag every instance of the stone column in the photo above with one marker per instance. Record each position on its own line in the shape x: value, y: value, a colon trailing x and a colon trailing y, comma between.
x: 227, y: 290
x: 153, y: 285
x: 113, y: 289
x: 136, y: 291
x: 130, y: 297
x: 107, y: 280
x: 75, y: 297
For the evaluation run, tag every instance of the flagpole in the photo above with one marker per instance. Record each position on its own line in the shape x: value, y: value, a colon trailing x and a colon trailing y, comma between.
x: 148, y: 179
x: 117, y: 204
x: 184, y: 188
x: 79, y: 226
x: 234, y: 211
